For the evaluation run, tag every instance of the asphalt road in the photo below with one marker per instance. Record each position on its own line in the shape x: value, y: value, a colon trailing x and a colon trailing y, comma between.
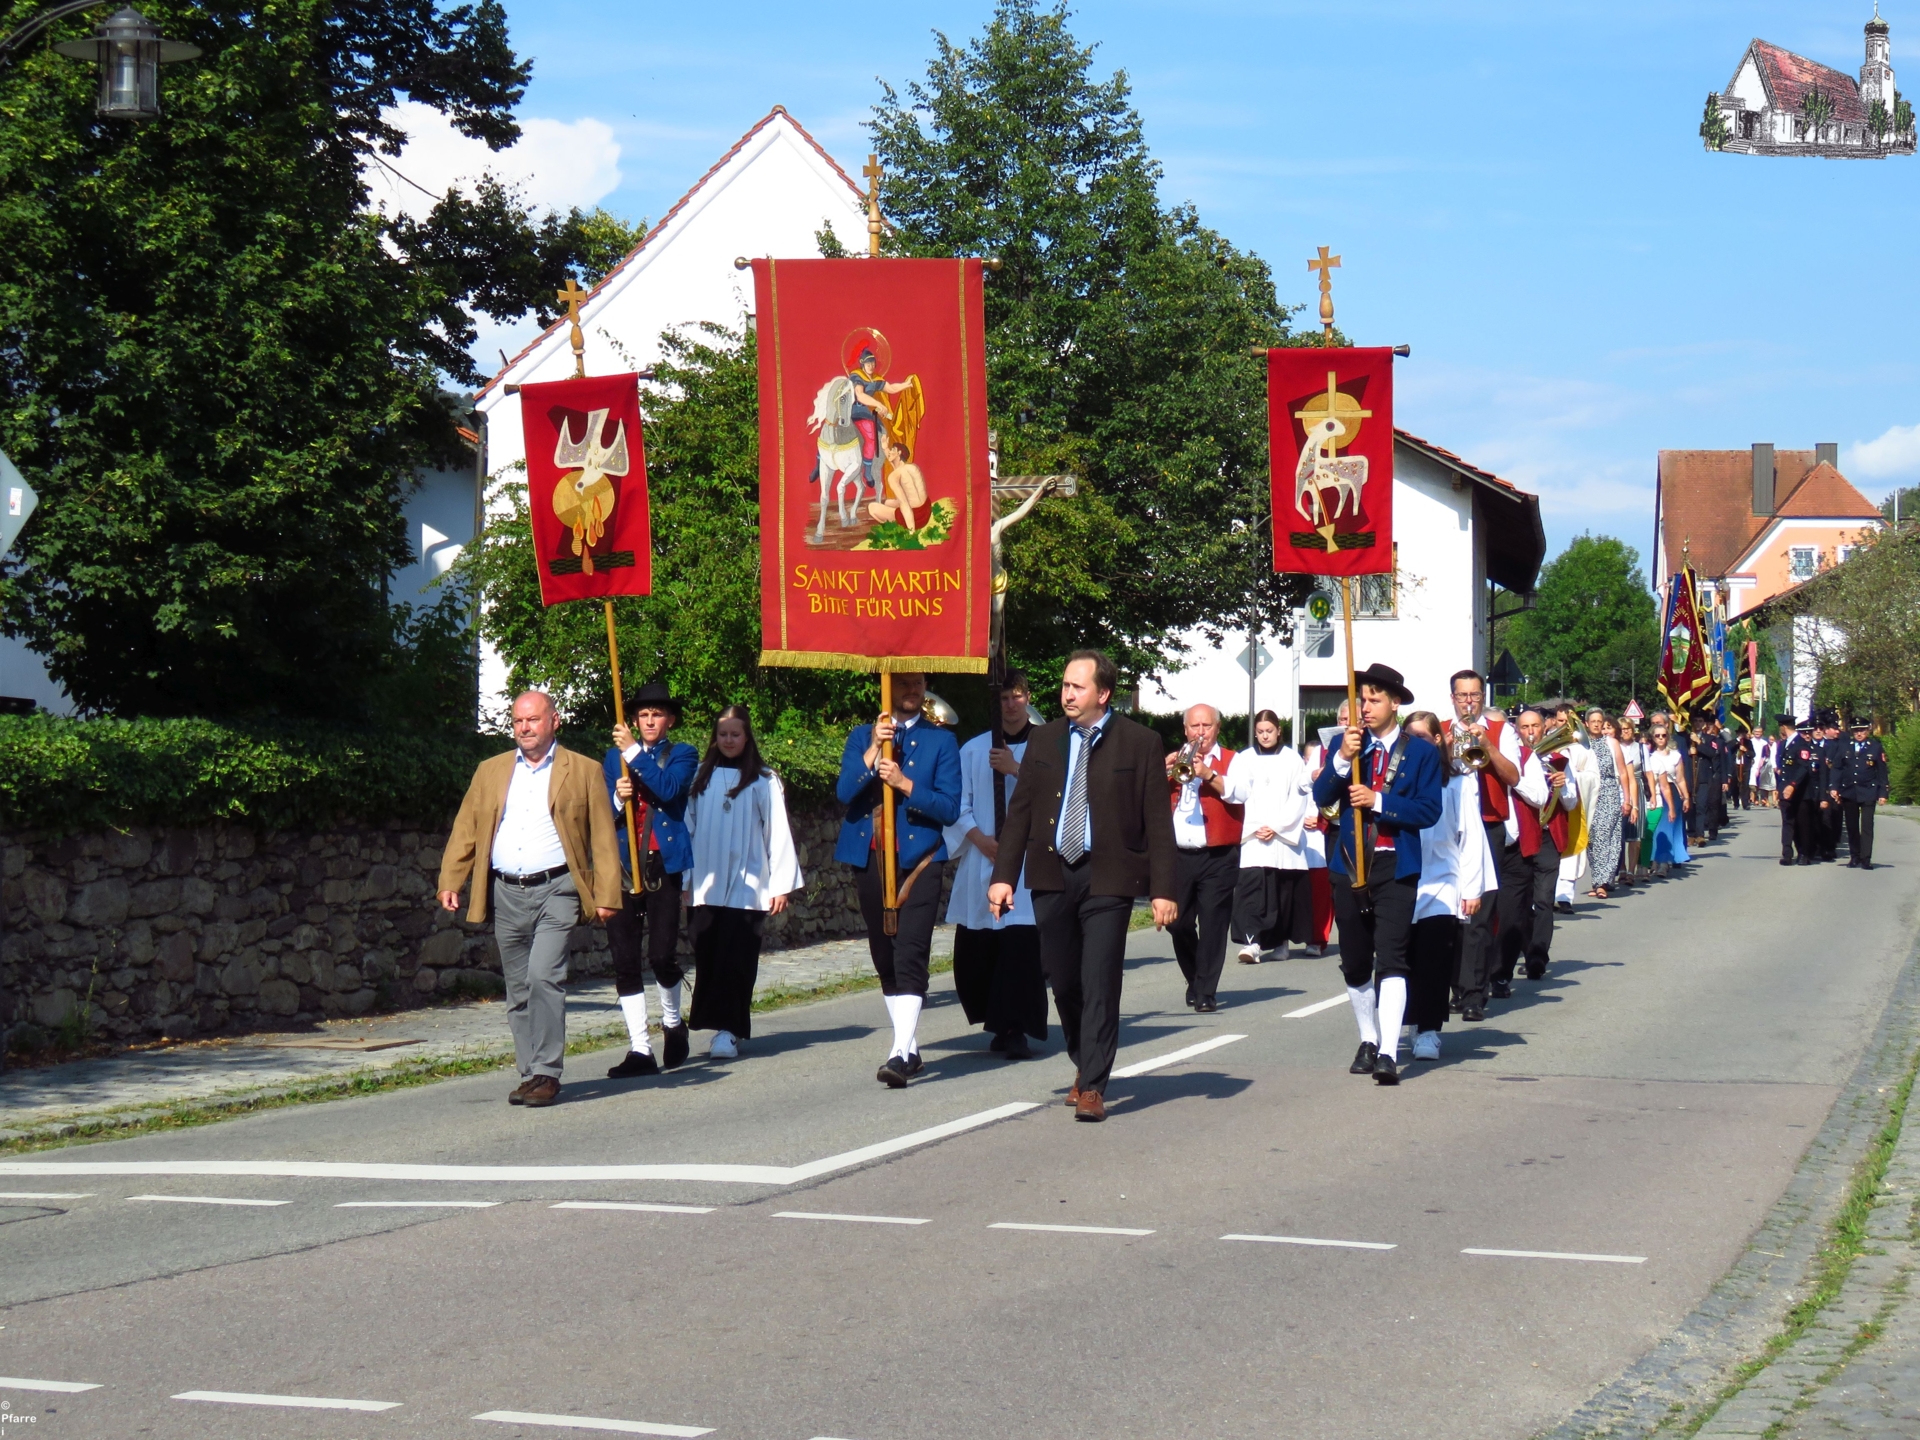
x: 1641, y: 1108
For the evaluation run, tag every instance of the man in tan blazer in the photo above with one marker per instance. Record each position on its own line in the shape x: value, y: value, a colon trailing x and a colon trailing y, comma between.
x: 537, y: 827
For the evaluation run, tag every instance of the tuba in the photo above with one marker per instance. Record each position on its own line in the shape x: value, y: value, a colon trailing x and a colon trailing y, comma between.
x: 1553, y: 742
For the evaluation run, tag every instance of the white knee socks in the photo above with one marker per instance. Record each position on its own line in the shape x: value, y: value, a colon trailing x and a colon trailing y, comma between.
x: 669, y: 1005
x: 1361, y: 997
x: 634, y: 1007
x: 905, y: 1010
x: 1393, y: 1008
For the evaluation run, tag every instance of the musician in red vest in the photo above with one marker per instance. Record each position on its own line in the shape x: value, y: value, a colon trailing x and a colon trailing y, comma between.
x: 1206, y: 831
x: 1542, y: 843
x: 1498, y: 775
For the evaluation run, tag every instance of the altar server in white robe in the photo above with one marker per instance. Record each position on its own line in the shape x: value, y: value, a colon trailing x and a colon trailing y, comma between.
x: 744, y: 868
x: 996, y: 959
x: 1273, y: 904
x: 1458, y: 875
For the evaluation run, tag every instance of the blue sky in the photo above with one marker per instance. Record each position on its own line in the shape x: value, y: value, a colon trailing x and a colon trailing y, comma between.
x: 1519, y: 192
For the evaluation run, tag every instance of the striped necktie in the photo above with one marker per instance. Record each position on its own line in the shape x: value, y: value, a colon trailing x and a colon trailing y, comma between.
x: 1073, y: 825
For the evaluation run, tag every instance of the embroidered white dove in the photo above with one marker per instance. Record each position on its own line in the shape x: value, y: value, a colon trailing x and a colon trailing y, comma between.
x: 584, y: 497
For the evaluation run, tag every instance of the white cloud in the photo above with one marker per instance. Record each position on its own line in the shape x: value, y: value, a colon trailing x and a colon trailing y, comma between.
x: 555, y: 164
x: 1895, y: 455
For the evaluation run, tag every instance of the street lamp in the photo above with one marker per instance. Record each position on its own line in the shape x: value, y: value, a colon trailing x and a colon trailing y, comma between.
x: 128, y: 48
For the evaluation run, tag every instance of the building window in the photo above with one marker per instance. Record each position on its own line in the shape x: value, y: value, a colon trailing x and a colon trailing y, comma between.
x: 1845, y: 553
x: 1802, y: 561
x: 1378, y: 595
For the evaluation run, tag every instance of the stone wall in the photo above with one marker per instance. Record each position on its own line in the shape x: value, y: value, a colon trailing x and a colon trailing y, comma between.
x: 221, y: 928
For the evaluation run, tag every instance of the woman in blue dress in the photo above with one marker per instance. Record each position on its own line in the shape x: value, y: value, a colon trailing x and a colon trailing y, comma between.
x: 1667, y: 791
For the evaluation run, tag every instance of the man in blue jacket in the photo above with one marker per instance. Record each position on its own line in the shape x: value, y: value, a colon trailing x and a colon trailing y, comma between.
x: 925, y: 776
x: 647, y: 927
x: 1390, y: 785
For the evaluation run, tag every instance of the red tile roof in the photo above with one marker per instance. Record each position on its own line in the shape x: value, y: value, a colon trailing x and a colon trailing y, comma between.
x: 1789, y: 77
x: 666, y: 219
x: 1706, y: 502
x: 1827, y: 494
x: 1452, y: 459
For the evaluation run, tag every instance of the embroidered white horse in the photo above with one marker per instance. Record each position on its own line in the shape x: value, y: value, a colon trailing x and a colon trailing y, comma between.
x: 1320, y: 471
x: 840, y: 463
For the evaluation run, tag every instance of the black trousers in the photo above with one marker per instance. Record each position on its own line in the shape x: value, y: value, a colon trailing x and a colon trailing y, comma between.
x: 1437, y: 943
x: 1083, y: 945
x: 1532, y: 935
x: 1516, y: 911
x: 1273, y: 907
x: 726, y: 963
x: 1480, y: 939
x: 1376, y: 939
x: 900, y: 960
x: 998, y: 977
x: 1797, y: 824
x: 1204, y: 883
x: 646, y: 928
x: 1859, y: 814
x: 1832, y: 821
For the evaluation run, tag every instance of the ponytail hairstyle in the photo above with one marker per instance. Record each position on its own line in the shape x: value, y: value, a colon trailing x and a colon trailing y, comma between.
x: 1273, y: 720
x: 751, y: 766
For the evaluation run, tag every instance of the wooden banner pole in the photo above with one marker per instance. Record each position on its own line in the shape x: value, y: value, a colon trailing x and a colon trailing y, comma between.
x: 1354, y: 718
x: 620, y: 718
x: 889, y: 856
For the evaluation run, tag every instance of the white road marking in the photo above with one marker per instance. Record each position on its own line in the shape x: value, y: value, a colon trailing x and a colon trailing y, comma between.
x: 206, y: 1200
x: 1141, y: 1067
x: 416, y: 1204
x: 850, y: 1219
x: 1562, y: 1255
x: 590, y: 1422
x: 52, y: 1387
x: 1305, y: 1240
x: 291, y: 1402
x: 632, y: 1205
x: 1067, y: 1229
x: 45, y: 1195
x: 1315, y: 1008
x: 349, y: 1170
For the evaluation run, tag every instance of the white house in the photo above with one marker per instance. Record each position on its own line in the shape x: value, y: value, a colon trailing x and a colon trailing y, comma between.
x: 1462, y: 536
x: 1780, y: 103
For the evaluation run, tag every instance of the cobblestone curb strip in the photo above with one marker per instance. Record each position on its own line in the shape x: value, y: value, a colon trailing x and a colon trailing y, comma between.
x: 1688, y: 1374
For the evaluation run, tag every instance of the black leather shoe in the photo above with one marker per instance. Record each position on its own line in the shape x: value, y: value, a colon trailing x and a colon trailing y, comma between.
x: 1385, y: 1072
x: 1473, y: 1014
x: 999, y: 1045
x: 1015, y: 1047
x: 915, y: 1064
x: 892, y: 1074
x: 1363, y: 1058
x: 1785, y: 861
x: 1536, y: 972
x: 1804, y: 860
x: 674, y: 1046
x: 1206, y: 1007
x: 637, y: 1063
x: 1502, y: 990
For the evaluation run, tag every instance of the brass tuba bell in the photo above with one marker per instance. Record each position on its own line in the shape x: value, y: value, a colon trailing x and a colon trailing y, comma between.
x: 1553, y: 742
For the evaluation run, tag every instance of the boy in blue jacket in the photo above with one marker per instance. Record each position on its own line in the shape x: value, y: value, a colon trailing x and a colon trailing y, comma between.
x: 1390, y: 785
x: 925, y: 777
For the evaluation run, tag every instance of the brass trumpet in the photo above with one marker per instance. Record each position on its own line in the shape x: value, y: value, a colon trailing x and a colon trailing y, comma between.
x: 1467, y: 750
x: 1183, y: 763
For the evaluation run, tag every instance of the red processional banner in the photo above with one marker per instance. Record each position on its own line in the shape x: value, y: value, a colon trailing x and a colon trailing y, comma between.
x: 587, y: 487
x: 875, y: 497
x: 1330, y: 417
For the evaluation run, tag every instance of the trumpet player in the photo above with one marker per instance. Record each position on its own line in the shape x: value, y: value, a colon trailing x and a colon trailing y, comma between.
x: 1546, y: 773
x: 1493, y: 749
x: 1206, y: 832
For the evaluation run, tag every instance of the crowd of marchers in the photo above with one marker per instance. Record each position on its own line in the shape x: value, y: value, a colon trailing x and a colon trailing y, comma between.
x: 1436, y: 850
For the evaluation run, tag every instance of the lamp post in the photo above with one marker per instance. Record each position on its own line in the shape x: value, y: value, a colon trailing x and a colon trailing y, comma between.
x: 128, y: 49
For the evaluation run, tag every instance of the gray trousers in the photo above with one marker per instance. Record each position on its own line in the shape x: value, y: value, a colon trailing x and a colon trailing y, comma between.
x: 531, y: 925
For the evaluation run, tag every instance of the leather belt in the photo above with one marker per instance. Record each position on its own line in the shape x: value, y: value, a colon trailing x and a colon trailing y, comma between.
x: 527, y: 882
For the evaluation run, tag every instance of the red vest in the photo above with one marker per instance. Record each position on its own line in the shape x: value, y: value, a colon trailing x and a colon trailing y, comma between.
x: 1530, y: 817
x: 1223, y: 820
x: 1495, y: 802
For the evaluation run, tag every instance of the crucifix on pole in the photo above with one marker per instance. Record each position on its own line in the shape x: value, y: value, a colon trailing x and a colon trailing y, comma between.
x: 1325, y: 264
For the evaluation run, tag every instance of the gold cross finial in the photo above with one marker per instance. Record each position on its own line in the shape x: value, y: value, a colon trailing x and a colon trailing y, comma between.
x: 1326, y: 264
x: 873, y: 172
x: 571, y: 298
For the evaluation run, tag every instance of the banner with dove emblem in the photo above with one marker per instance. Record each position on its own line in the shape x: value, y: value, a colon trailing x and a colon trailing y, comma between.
x: 1330, y: 419
x: 587, y: 487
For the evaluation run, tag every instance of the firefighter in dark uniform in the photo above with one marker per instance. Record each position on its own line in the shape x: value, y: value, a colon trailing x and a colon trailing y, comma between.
x: 1836, y: 751
x: 1862, y: 788
x: 1798, y: 774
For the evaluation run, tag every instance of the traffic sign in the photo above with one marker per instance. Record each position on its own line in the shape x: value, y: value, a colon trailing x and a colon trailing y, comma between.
x: 1258, y: 664
x: 1633, y: 711
x: 20, y: 501
x: 1320, y: 607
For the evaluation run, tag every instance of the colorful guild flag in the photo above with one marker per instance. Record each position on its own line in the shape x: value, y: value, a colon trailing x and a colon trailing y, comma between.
x: 587, y: 488
x: 875, y: 493
x: 1330, y: 417
x: 1685, y: 676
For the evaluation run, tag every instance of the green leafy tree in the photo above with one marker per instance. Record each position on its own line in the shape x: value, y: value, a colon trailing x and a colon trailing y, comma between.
x: 1902, y: 116
x: 1878, y: 121
x: 1593, y: 631
x: 1817, y: 106
x: 1868, y: 647
x: 221, y: 370
x: 1713, y: 125
x: 1118, y: 331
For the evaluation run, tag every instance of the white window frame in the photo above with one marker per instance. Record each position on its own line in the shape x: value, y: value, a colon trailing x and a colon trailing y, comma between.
x: 1794, y: 552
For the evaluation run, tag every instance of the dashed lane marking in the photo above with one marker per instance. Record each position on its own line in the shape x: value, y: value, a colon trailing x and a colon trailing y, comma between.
x: 1068, y: 1229
x: 46, y: 1194
x: 592, y: 1422
x: 632, y: 1205
x: 1309, y: 1240
x: 849, y: 1219
x: 416, y: 1204
x: 1141, y: 1067
x: 1562, y: 1255
x: 289, y: 1402
x: 205, y: 1200
x: 51, y: 1387
x: 1315, y: 1008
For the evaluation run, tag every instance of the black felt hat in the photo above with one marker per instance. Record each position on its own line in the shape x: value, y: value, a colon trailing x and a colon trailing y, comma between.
x: 1385, y: 677
x: 653, y: 696
x: 1783, y: 720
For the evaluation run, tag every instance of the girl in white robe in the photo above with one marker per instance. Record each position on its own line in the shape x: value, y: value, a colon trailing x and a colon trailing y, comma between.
x: 1456, y: 871
x: 744, y: 868
x: 1273, y: 901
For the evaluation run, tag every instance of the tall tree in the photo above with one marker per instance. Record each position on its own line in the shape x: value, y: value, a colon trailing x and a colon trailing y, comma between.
x: 220, y: 369
x: 1118, y: 331
x: 1867, y: 642
x: 1593, y: 631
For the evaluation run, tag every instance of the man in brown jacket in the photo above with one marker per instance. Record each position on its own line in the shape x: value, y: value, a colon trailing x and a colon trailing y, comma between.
x: 1089, y: 821
x: 540, y: 818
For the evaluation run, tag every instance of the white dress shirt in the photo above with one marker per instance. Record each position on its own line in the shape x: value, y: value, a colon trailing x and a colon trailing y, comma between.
x: 1189, y: 820
x: 974, y: 872
x: 1456, y: 863
x: 526, y: 842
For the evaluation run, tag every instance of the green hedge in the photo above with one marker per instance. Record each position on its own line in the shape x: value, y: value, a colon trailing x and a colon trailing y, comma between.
x: 66, y: 776
x: 1903, y: 762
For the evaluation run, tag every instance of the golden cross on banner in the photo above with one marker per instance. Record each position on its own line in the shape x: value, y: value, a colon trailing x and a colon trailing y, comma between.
x: 1325, y: 265
x: 873, y: 172
x: 571, y: 298
x: 1338, y: 406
